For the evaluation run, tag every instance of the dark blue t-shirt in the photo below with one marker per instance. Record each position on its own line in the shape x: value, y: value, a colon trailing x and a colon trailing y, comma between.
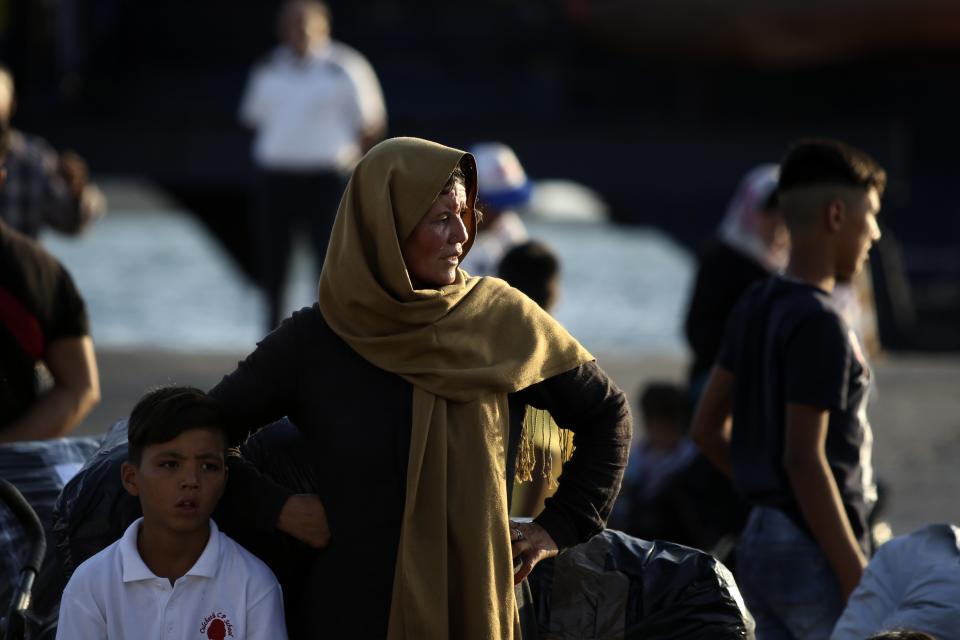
x: 786, y: 342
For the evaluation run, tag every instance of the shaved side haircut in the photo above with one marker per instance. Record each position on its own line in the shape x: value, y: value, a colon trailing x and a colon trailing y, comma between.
x: 815, y: 171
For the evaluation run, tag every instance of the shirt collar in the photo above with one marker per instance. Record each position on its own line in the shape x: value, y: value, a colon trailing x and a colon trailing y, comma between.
x: 135, y: 569
x: 209, y: 561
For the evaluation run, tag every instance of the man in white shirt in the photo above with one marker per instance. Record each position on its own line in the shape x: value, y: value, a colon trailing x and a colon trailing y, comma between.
x: 316, y: 107
x: 173, y: 574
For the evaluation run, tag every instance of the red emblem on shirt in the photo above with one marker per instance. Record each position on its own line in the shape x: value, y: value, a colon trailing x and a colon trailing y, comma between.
x: 217, y: 626
x: 217, y: 630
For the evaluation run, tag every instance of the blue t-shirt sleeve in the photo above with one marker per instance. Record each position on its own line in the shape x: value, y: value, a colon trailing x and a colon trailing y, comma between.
x: 817, y: 360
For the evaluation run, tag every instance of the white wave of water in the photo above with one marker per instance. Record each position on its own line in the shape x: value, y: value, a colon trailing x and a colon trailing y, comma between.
x: 159, y: 279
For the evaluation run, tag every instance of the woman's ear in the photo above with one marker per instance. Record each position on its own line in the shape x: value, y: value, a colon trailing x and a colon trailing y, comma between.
x: 129, y: 478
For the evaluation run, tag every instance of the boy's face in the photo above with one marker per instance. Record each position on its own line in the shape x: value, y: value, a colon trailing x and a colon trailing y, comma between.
x: 179, y: 482
x: 857, y: 232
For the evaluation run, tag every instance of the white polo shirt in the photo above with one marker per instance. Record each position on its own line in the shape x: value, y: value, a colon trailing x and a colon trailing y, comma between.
x: 228, y: 593
x: 310, y: 114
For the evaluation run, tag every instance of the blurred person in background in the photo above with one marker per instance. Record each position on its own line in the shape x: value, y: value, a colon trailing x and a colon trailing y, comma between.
x: 316, y: 106
x: 533, y: 268
x: 670, y: 491
x: 656, y: 459
x: 856, y: 302
x: 43, y: 188
x: 504, y: 186
x: 48, y: 371
x: 752, y: 243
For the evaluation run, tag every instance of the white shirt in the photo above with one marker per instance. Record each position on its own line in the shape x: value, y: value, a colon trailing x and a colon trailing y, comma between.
x: 228, y: 593
x: 913, y: 582
x: 310, y: 113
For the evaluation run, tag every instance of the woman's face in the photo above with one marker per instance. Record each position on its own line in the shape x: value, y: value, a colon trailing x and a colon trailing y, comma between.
x: 432, y: 251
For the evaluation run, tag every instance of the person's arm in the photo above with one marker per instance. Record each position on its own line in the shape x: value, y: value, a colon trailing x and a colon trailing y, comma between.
x: 699, y: 326
x: 817, y: 356
x: 712, y: 421
x: 588, y: 403
x: 370, y: 107
x: 816, y: 492
x: 76, y: 390
x: 87, y: 202
x: 261, y: 390
x: 254, y: 104
x: 69, y: 201
x: 265, y: 618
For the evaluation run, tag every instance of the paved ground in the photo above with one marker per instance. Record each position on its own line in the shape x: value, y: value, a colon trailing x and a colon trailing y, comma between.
x: 915, y: 415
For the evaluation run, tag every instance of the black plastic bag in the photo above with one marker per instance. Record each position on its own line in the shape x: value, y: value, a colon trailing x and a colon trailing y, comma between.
x: 94, y: 509
x: 617, y: 586
x: 280, y: 452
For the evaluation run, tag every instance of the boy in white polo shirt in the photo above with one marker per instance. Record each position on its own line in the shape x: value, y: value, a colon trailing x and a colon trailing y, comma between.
x: 173, y: 574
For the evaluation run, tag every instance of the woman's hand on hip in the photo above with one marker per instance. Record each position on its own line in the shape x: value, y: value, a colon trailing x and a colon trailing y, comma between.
x: 531, y: 543
x: 304, y: 517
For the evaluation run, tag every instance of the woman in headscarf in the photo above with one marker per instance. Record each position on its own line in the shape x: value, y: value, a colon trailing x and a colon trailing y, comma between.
x: 751, y: 244
x: 409, y: 381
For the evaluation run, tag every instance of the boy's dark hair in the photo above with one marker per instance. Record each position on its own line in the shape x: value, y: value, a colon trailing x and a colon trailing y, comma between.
x: 665, y: 401
x: 901, y: 634
x: 165, y: 413
x: 821, y: 161
x: 530, y: 267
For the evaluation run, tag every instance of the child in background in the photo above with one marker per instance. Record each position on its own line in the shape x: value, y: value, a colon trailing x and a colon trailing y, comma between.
x: 656, y: 461
x: 665, y: 449
x: 173, y: 574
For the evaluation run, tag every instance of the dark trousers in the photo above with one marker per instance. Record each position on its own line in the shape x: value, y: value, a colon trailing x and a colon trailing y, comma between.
x: 291, y: 202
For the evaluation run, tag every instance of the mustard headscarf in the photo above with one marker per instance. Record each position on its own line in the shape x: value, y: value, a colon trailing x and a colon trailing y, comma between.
x: 464, y: 347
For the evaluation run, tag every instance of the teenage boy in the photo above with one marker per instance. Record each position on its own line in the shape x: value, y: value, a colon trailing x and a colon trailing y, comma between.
x: 784, y: 410
x: 173, y: 574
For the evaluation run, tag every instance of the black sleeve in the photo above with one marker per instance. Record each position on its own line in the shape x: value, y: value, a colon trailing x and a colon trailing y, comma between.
x: 817, y: 362
x: 69, y: 318
x: 730, y: 347
x: 253, y: 498
x: 262, y: 388
x: 723, y: 275
x: 45, y: 287
x: 260, y: 391
x: 700, y: 324
x: 588, y: 403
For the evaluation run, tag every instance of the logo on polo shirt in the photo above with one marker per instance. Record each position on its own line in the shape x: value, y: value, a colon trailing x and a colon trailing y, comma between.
x: 217, y: 626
